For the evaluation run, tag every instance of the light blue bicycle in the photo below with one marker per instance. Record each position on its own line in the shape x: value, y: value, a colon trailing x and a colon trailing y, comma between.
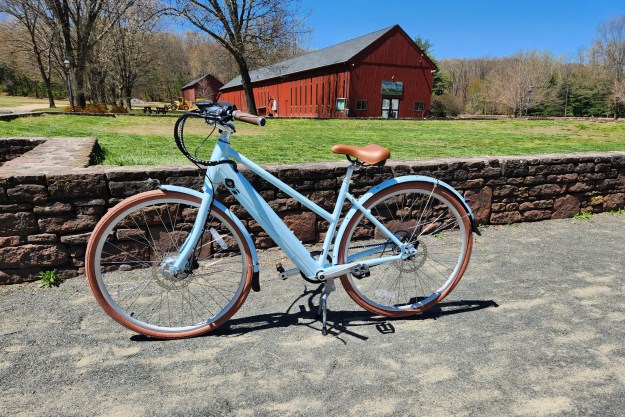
x: 175, y: 262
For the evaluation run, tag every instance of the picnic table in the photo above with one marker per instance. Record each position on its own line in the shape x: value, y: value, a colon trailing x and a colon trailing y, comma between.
x: 157, y: 110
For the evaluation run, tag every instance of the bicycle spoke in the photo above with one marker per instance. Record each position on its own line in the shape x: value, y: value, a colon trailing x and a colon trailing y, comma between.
x: 140, y: 247
x: 421, y: 218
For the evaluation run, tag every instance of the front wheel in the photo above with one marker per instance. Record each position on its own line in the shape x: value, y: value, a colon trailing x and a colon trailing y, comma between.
x: 424, y: 217
x: 128, y: 259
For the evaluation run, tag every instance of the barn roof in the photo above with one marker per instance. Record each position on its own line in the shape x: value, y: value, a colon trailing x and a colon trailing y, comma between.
x: 332, y: 55
x: 194, y: 82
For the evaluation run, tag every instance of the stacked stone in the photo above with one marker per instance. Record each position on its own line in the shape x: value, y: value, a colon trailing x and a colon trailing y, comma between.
x: 47, y: 215
x: 46, y: 220
x: 519, y: 189
x: 11, y: 149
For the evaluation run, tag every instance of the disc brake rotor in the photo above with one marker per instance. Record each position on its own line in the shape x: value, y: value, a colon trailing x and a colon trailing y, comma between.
x: 166, y: 279
x: 414, y: 262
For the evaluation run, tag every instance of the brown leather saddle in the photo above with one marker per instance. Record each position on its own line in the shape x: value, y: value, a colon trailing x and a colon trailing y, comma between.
x: 369, y: 154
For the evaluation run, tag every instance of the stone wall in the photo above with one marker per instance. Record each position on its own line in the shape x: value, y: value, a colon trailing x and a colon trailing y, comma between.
x: 46, y: 217
x: 11, y: 149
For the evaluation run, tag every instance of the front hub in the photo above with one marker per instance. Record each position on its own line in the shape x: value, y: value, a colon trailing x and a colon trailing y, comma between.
x: 167, y: 277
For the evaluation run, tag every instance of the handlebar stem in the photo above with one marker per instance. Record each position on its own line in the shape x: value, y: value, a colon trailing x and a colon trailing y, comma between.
x: 225, y: 134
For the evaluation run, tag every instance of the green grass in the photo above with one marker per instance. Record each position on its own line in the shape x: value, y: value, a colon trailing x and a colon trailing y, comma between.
x: 149, y: 140
x: 15, y: 101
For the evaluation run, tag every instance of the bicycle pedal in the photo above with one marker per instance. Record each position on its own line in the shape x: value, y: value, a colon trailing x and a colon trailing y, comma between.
x: 360, y: 271
x: 280, y: 270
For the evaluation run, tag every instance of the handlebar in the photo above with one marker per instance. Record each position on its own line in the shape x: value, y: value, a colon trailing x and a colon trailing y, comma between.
x: 219, y: 116
x: 224, y: 112
x: 249, y: 118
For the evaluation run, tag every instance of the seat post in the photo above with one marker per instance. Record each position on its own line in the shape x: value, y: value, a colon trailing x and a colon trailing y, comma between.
x: 353, y: 165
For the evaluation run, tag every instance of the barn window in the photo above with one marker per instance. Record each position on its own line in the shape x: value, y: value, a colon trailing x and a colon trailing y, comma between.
x: 340, y: 104
x: 392, y: 88
x: 361, y: 105
x: 419, y: 106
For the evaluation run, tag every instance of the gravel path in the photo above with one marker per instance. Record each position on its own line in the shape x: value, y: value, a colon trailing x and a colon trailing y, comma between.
x: 536, y: 327
x: 25, y: 108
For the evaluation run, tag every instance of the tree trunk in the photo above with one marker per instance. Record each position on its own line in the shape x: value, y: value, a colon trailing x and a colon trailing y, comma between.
x: 42, y: 71
x: 247, y: 86
x: 50, y: 95
x: 128, y: 91
x: 79, y: 92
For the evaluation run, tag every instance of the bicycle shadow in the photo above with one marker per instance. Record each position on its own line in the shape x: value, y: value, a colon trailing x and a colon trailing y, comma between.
x: 340, y: 322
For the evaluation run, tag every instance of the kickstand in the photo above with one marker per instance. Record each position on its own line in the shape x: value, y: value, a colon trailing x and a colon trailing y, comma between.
x: 328, y: 287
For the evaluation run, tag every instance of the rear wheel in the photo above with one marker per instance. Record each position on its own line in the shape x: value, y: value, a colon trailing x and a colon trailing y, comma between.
x: 131, y: 249
x: 427, y: 218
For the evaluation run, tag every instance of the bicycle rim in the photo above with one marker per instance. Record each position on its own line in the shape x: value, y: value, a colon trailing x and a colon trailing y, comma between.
x: 425, y: 217
x: 133, y: 244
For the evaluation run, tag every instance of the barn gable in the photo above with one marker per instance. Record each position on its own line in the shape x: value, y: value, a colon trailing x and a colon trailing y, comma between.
x: 206, y: 87
x: 382, y: 74
x: 395, y: 49
x: 332, y: 55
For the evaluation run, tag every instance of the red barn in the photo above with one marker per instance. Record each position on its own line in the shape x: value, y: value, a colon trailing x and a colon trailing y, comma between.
x: 206, y: 87
x: 380, y: 74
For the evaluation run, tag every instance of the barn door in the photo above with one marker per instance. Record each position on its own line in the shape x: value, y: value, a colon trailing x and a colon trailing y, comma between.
x: 390, y: 108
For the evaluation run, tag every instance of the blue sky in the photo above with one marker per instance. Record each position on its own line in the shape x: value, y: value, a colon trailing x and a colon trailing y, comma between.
x: 467, y: 29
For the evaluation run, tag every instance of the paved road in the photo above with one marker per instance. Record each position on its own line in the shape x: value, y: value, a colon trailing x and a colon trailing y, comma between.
x: 25, y: 108
x: 535, y: 328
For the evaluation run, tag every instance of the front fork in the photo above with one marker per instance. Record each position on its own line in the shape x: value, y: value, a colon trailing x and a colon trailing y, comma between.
x: 182, y: 263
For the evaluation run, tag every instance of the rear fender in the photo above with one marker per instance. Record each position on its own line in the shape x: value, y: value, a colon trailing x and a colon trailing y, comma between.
x: 400, y: 180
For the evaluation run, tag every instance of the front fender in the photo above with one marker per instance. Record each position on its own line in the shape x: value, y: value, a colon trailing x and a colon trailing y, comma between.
x: 235, y: 220
x: 399, y: 180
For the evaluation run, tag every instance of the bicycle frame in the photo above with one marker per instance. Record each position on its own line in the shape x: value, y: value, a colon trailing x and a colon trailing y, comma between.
x: 258, y: 208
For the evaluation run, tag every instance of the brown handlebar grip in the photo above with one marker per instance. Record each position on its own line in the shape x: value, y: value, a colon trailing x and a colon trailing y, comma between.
x: 249, y: 118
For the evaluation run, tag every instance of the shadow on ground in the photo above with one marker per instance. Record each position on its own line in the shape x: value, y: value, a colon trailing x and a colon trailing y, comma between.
x: 303, y: 312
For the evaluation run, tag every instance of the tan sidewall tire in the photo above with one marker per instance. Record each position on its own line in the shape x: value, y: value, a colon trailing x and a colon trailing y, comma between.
x: 465, y: 262
x: 95, y: 288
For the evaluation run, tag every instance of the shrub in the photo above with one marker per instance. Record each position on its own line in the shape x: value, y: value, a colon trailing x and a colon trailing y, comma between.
x: 68, y: 109
x: 444, y: 106
x: 118, y: 109
x: 96, y: 108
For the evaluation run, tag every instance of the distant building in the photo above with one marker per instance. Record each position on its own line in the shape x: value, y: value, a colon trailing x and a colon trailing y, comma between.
x: 206, y: 87
x: 382, y: 74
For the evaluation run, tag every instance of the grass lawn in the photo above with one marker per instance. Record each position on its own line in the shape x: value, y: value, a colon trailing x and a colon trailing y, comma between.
x: 149, y: 140
x: 13, y: 101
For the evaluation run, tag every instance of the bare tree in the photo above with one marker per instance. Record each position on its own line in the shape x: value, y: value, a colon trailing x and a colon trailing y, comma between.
x: 207, y: 56
x: 460, y: 75
x: 82, y: 24
x: 522, y: 80
x: 39, y: 39
x: 247, y: 29
x: 131, y: 46
x: 469, y: 86
x: 609, y: 51
x: 169, y: 70
x: 98, y: 84
x: 205, y: 91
